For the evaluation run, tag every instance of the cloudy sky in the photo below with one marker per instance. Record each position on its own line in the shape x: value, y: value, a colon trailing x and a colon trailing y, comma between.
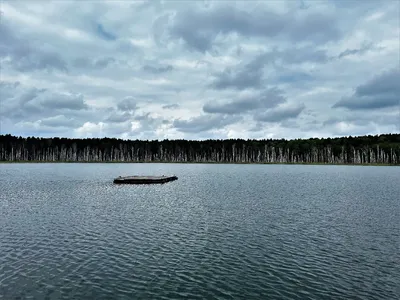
x: 200, y: 69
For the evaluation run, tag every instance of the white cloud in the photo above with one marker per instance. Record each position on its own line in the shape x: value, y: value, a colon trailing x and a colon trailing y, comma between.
x: 90, y: 129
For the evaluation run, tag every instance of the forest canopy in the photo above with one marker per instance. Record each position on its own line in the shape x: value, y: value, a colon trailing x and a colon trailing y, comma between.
x: 369, y: 149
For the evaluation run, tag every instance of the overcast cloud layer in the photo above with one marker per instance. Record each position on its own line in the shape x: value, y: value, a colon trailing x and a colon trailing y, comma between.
x: 199, y: 70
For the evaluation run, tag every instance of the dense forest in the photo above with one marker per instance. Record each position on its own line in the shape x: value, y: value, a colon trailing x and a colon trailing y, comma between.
x: 378, y: 149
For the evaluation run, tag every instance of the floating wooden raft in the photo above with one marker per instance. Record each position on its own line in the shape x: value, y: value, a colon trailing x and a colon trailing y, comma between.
x: 144, y: 179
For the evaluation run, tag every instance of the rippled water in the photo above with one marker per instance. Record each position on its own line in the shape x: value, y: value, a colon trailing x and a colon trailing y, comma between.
x: 218, y: 232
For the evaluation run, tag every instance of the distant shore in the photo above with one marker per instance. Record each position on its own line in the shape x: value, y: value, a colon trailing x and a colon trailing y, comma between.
x: 382, y: 150
x: 197, y: 163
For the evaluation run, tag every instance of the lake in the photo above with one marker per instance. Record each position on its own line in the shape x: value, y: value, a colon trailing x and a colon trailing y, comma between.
x: 218, y: 232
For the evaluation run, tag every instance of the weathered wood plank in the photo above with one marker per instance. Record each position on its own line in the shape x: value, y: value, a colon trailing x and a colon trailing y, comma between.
x: 144, y: 179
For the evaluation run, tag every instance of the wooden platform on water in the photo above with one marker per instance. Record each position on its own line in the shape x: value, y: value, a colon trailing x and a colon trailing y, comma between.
x: 144, y: 179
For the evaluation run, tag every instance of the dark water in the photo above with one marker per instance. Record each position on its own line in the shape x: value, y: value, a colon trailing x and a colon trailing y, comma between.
x: 219, y: 232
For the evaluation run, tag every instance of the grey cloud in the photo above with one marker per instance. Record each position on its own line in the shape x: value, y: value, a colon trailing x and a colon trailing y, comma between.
x: 52, y: 100
x: 8, y: 90
x: 155, y: 97
x: 126, y: 47
x: 127, y: 104
x: 250, y: 75
x: 149, y: 123
x: 354, y: 131
x: 362, y: 118
x: 365, y: 47
x: 385, y: 82
x: 353, y: 126
x: 303, y: 126
x: 361, y: 50
x: 91, y: 114
x: 159, y: 28
x: 98, y: 91
x: 60, y: 121
x: 380, y: 92
x: 41, y: 111
x: 89, y: 63
x: 303, y: 5
x: 280, y: 114
x: 266, y: 99
x: 296, y: 55
x: 104, y: 62
x: 142, y: 6
x: 118, y: 117
x: 357, y: 122
x: 20, y: 103
x: 105, y: 34
x: 294, y: 77
x: 144, y: 117
x: 39, y: 61
x: 37, y: 129
x: 316, y: 27
x: 369, y: 102
x: 200, y: 27
x: 242, y: 77
x: 204, y: 123
x: 239, y: 80
x: 171, y: 106
x: 301, y: 55
x: 24, y: 55
x: 258, y: 126
x: 119, y: 128
x: 158, y: 70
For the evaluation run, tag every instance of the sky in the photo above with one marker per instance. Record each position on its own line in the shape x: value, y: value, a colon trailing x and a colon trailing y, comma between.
x: 199, y: 69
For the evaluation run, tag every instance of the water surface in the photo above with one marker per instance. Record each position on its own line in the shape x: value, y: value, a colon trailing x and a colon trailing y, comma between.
x: 218, y: 232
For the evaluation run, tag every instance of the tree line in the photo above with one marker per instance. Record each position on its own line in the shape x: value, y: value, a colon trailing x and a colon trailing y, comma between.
x: 369, y: 149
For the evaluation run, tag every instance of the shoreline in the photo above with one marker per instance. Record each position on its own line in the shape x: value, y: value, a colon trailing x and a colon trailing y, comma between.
x: 196, y: 163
